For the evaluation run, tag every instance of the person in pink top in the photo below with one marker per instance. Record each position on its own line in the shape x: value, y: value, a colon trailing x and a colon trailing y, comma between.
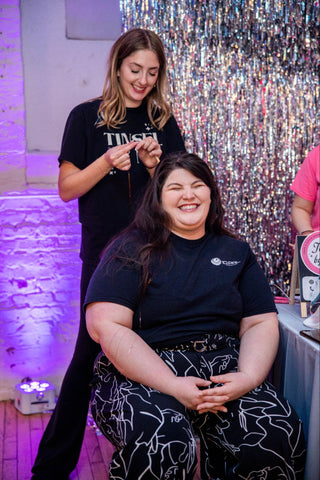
x: 305, y: 211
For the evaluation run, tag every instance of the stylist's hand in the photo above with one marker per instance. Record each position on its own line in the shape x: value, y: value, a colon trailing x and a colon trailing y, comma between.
x: 234, y: 385
x: 119, y: 156
x: 148, y: 149
x: 187, y: 392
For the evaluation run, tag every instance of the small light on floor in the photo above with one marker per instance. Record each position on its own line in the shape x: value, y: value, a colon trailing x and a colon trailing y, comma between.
x: 34, y: 397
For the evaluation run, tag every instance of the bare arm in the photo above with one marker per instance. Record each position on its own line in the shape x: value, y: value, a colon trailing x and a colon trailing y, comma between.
x: 301, y: 214
x: 73, y: 182
x: 259, y: 338
x: 110, y: 325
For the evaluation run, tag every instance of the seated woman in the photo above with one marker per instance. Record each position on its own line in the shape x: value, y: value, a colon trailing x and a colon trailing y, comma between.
x: 189, y: 331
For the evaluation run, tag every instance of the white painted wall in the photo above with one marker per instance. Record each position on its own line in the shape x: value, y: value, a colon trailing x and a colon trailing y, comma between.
x: 59, y: 73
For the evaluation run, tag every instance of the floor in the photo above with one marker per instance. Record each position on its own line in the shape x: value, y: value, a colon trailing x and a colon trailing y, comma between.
x: 19, y: 439
x: 20, y: 436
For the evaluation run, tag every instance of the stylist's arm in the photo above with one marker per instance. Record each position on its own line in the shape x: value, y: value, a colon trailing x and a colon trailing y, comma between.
x: 74, y: 182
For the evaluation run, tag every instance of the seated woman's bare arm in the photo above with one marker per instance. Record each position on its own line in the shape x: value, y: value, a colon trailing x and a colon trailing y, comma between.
x: 259, y: 339
x: 110, y: 325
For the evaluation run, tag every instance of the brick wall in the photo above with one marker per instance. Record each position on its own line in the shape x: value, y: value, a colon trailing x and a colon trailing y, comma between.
x: 39, y: 288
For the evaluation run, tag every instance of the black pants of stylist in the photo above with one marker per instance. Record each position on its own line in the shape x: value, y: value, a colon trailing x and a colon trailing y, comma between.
x: 260, y: 437
x: 60, y: 445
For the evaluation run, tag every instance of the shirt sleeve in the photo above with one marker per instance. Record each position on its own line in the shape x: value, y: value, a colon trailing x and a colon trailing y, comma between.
x: 74, y: 139
x: 173, y: 137
x: 305, y: 183
x: 116, y: 282
x: 254, y: 288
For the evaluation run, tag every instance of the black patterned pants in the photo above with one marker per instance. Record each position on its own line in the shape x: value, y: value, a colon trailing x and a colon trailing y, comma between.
x: 260, y: 437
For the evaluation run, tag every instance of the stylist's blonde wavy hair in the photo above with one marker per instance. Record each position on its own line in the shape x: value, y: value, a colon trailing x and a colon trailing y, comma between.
x: 112, y: 110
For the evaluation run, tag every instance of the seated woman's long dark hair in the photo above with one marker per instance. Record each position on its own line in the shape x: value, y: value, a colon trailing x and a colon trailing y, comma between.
x: 151, y: 226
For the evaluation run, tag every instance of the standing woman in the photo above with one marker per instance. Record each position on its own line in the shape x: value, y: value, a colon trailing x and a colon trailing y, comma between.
x: 110, y: 148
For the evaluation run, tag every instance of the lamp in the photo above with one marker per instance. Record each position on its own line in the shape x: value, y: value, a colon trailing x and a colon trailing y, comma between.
x: 34, y: 397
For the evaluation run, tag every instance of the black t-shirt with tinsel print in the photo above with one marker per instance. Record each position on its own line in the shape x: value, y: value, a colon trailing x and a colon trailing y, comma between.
x: 109, y: 206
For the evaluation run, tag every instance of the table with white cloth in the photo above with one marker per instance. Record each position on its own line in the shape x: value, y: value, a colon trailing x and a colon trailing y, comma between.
x: 296, y: 373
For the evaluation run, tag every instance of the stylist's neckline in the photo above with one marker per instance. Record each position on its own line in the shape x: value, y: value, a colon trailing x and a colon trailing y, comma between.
x: 138, y: 107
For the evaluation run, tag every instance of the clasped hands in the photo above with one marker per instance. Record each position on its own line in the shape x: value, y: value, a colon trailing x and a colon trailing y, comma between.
x: 148, y: 150
x: 212, y: 395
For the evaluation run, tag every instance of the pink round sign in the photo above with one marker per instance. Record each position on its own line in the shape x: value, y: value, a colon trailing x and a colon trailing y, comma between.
x: 310, y: 252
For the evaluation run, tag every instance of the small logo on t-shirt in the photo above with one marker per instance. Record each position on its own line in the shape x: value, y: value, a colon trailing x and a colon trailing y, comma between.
x: 229, y: 263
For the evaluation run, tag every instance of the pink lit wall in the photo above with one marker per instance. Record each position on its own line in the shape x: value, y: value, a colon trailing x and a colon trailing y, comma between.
x: 44, y: 72
x: 39, y: 285
x: 39, y: 239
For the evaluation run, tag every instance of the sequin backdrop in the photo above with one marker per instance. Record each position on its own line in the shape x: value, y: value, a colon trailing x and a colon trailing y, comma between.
x: 244, y: 86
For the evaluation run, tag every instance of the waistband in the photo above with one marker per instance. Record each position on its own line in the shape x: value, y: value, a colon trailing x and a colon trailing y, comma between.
x: 207, y: 343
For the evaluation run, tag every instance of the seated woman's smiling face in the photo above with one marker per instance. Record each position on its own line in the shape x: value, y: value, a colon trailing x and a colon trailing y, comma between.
x: 186, y: 199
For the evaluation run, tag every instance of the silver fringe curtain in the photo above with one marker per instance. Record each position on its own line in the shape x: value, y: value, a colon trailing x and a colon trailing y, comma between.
x: 244, y: 87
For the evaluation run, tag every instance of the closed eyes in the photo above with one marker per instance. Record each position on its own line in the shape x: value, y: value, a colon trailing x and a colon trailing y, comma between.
x: 137, y: 71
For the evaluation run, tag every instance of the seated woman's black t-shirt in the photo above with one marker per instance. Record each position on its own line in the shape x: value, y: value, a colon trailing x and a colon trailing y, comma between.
x: 202, y: 286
